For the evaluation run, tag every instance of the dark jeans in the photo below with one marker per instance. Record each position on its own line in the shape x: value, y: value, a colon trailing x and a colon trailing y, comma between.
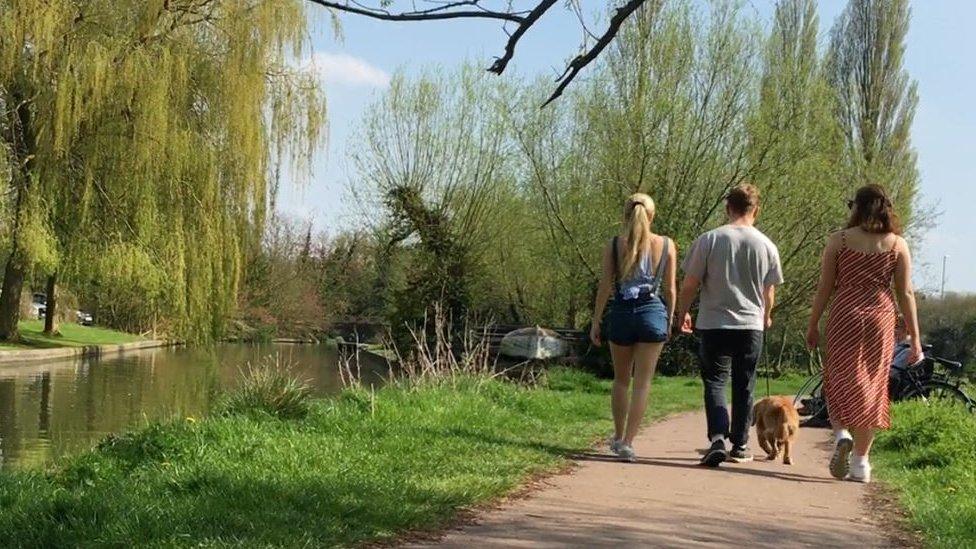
x: 725, y: 352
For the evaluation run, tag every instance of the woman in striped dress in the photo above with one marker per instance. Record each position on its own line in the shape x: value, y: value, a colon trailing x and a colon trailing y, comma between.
x: 860, y: 266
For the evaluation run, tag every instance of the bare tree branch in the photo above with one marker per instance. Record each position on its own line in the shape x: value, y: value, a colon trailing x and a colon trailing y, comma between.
x: 445, y: 11
x: 580, y: 61
x: 501, y: 62
x: 472, y: 9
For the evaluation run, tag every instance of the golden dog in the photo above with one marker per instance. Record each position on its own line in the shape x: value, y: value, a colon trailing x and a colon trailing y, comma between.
x: 777, y: 424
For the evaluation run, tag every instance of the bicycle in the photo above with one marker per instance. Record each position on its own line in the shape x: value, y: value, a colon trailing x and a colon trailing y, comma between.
x: 923, y: 381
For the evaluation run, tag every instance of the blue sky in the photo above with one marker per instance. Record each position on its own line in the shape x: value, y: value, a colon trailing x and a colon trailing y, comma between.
x: 940, y: 56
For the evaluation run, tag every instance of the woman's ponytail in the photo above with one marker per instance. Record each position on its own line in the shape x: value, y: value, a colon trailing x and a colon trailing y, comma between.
x: 638, y: 215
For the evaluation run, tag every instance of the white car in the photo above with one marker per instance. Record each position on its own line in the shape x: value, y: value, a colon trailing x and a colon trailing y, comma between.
x: 39, y: 305
x: 83, y: 318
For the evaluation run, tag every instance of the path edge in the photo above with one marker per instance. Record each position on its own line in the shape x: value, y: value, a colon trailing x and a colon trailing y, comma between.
x: 469, y: 515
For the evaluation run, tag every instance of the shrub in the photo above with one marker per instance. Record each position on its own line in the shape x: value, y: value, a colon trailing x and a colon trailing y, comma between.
x: 268, y: 387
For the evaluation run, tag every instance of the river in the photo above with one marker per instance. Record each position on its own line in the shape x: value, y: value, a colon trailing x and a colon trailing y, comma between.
x: 48, y: 410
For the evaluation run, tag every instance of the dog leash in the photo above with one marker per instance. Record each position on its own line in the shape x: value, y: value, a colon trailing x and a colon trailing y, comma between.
x: 765, y: 359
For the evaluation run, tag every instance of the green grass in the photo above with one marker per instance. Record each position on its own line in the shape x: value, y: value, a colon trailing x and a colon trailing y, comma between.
x: 363, y: 466
x: 929, y: 457
x: 71, y: 335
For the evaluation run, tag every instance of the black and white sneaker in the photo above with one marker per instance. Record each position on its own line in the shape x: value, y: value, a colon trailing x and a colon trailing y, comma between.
x: 715, y: 455
x: 740, y: 454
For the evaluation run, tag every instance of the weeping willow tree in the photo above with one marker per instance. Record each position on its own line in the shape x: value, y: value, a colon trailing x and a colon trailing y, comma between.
x: 142, y: 140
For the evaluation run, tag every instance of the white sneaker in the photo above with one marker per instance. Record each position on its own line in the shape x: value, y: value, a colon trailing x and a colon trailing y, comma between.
x: 840, y: 462
x: 860, y: 472
x: 626, y: 452
x: 614, y: 445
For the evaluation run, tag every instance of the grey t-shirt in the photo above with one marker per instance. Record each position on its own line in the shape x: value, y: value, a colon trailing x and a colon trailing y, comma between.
x: 734, y: 263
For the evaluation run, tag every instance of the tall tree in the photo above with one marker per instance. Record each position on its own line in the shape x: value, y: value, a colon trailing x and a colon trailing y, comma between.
x: 152, y: 126
x: 794, y: 144
x: 432, y: 154
x: 876, y: 97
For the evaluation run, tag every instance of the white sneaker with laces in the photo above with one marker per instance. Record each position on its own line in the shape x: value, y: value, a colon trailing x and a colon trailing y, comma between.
x: 614, y: 445
x: 860, y: 471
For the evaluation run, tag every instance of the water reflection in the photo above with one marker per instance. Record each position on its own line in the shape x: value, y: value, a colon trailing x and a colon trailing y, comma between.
x: 52, y: 409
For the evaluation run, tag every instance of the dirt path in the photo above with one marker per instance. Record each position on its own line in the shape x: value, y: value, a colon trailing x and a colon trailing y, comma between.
x: 667, y: 500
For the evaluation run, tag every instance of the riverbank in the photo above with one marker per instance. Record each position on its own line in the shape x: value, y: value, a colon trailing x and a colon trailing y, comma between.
x: 74, y: 341
x: 32, y: 336
x: 362, y: 467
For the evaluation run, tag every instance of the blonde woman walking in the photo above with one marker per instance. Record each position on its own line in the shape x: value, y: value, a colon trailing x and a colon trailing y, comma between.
x: 639, y: 273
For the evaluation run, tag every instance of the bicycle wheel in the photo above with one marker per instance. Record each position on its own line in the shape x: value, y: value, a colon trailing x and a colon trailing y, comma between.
x: 940, y: 391
x: 809, y: 399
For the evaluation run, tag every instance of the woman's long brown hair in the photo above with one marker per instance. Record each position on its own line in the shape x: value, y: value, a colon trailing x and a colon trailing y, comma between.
x: 872, y: 211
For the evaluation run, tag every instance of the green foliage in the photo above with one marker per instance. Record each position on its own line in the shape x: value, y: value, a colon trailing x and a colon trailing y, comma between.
x: 876, y: 98
x: 153, y: 128
x: 689, y: 101
x: 268, y: 387
x: 929, y: 457
x: 128, y: 287
x: 280, y: 294
x: 949, y: 325
x: 433, y: 161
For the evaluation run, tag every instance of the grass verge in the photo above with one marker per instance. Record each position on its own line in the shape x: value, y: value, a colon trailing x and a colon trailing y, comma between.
x: 72, y: 335
x: 929, y: 458
x: 364, y: 466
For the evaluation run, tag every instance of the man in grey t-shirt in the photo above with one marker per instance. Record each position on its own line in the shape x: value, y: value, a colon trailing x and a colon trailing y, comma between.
x: 737, y: 269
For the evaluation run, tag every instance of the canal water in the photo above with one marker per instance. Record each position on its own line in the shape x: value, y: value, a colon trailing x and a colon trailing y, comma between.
x: 51, y: 409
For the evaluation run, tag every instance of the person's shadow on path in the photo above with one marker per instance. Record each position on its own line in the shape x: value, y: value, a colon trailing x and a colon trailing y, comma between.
x: 692, y: 463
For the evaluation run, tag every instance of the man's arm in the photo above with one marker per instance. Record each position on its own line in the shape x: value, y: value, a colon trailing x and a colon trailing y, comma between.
x: 689, y: 289
x: 695, y: 266
x: 769, y: 301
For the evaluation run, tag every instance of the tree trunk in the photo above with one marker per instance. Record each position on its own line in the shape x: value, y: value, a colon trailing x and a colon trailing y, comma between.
x: 50, y: 310
x: 24, y: 144
x: 13, y: 283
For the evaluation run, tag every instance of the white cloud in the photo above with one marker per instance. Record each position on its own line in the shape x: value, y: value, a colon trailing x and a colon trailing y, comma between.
x: 343, y: 69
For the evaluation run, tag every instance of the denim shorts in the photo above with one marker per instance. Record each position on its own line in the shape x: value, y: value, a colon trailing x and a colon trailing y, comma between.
x: 641, y: 320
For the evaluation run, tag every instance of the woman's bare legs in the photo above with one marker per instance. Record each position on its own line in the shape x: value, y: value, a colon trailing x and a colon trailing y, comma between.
x: 863, y: 439
x: 623, y: 358
x: 646, y: 356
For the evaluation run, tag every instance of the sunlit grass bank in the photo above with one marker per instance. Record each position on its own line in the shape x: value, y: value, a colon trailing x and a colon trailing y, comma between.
x: 363, y: 466
x: 929, y: 457
x: 71, y: 335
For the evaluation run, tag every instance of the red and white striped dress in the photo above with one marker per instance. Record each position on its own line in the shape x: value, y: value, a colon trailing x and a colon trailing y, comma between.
x: 860, y: 339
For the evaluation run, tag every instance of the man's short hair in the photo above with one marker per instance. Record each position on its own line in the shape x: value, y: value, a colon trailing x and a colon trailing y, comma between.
x: 742, y: 199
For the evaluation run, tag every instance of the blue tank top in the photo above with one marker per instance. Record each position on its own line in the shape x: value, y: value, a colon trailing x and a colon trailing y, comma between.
x: 645, y: 278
